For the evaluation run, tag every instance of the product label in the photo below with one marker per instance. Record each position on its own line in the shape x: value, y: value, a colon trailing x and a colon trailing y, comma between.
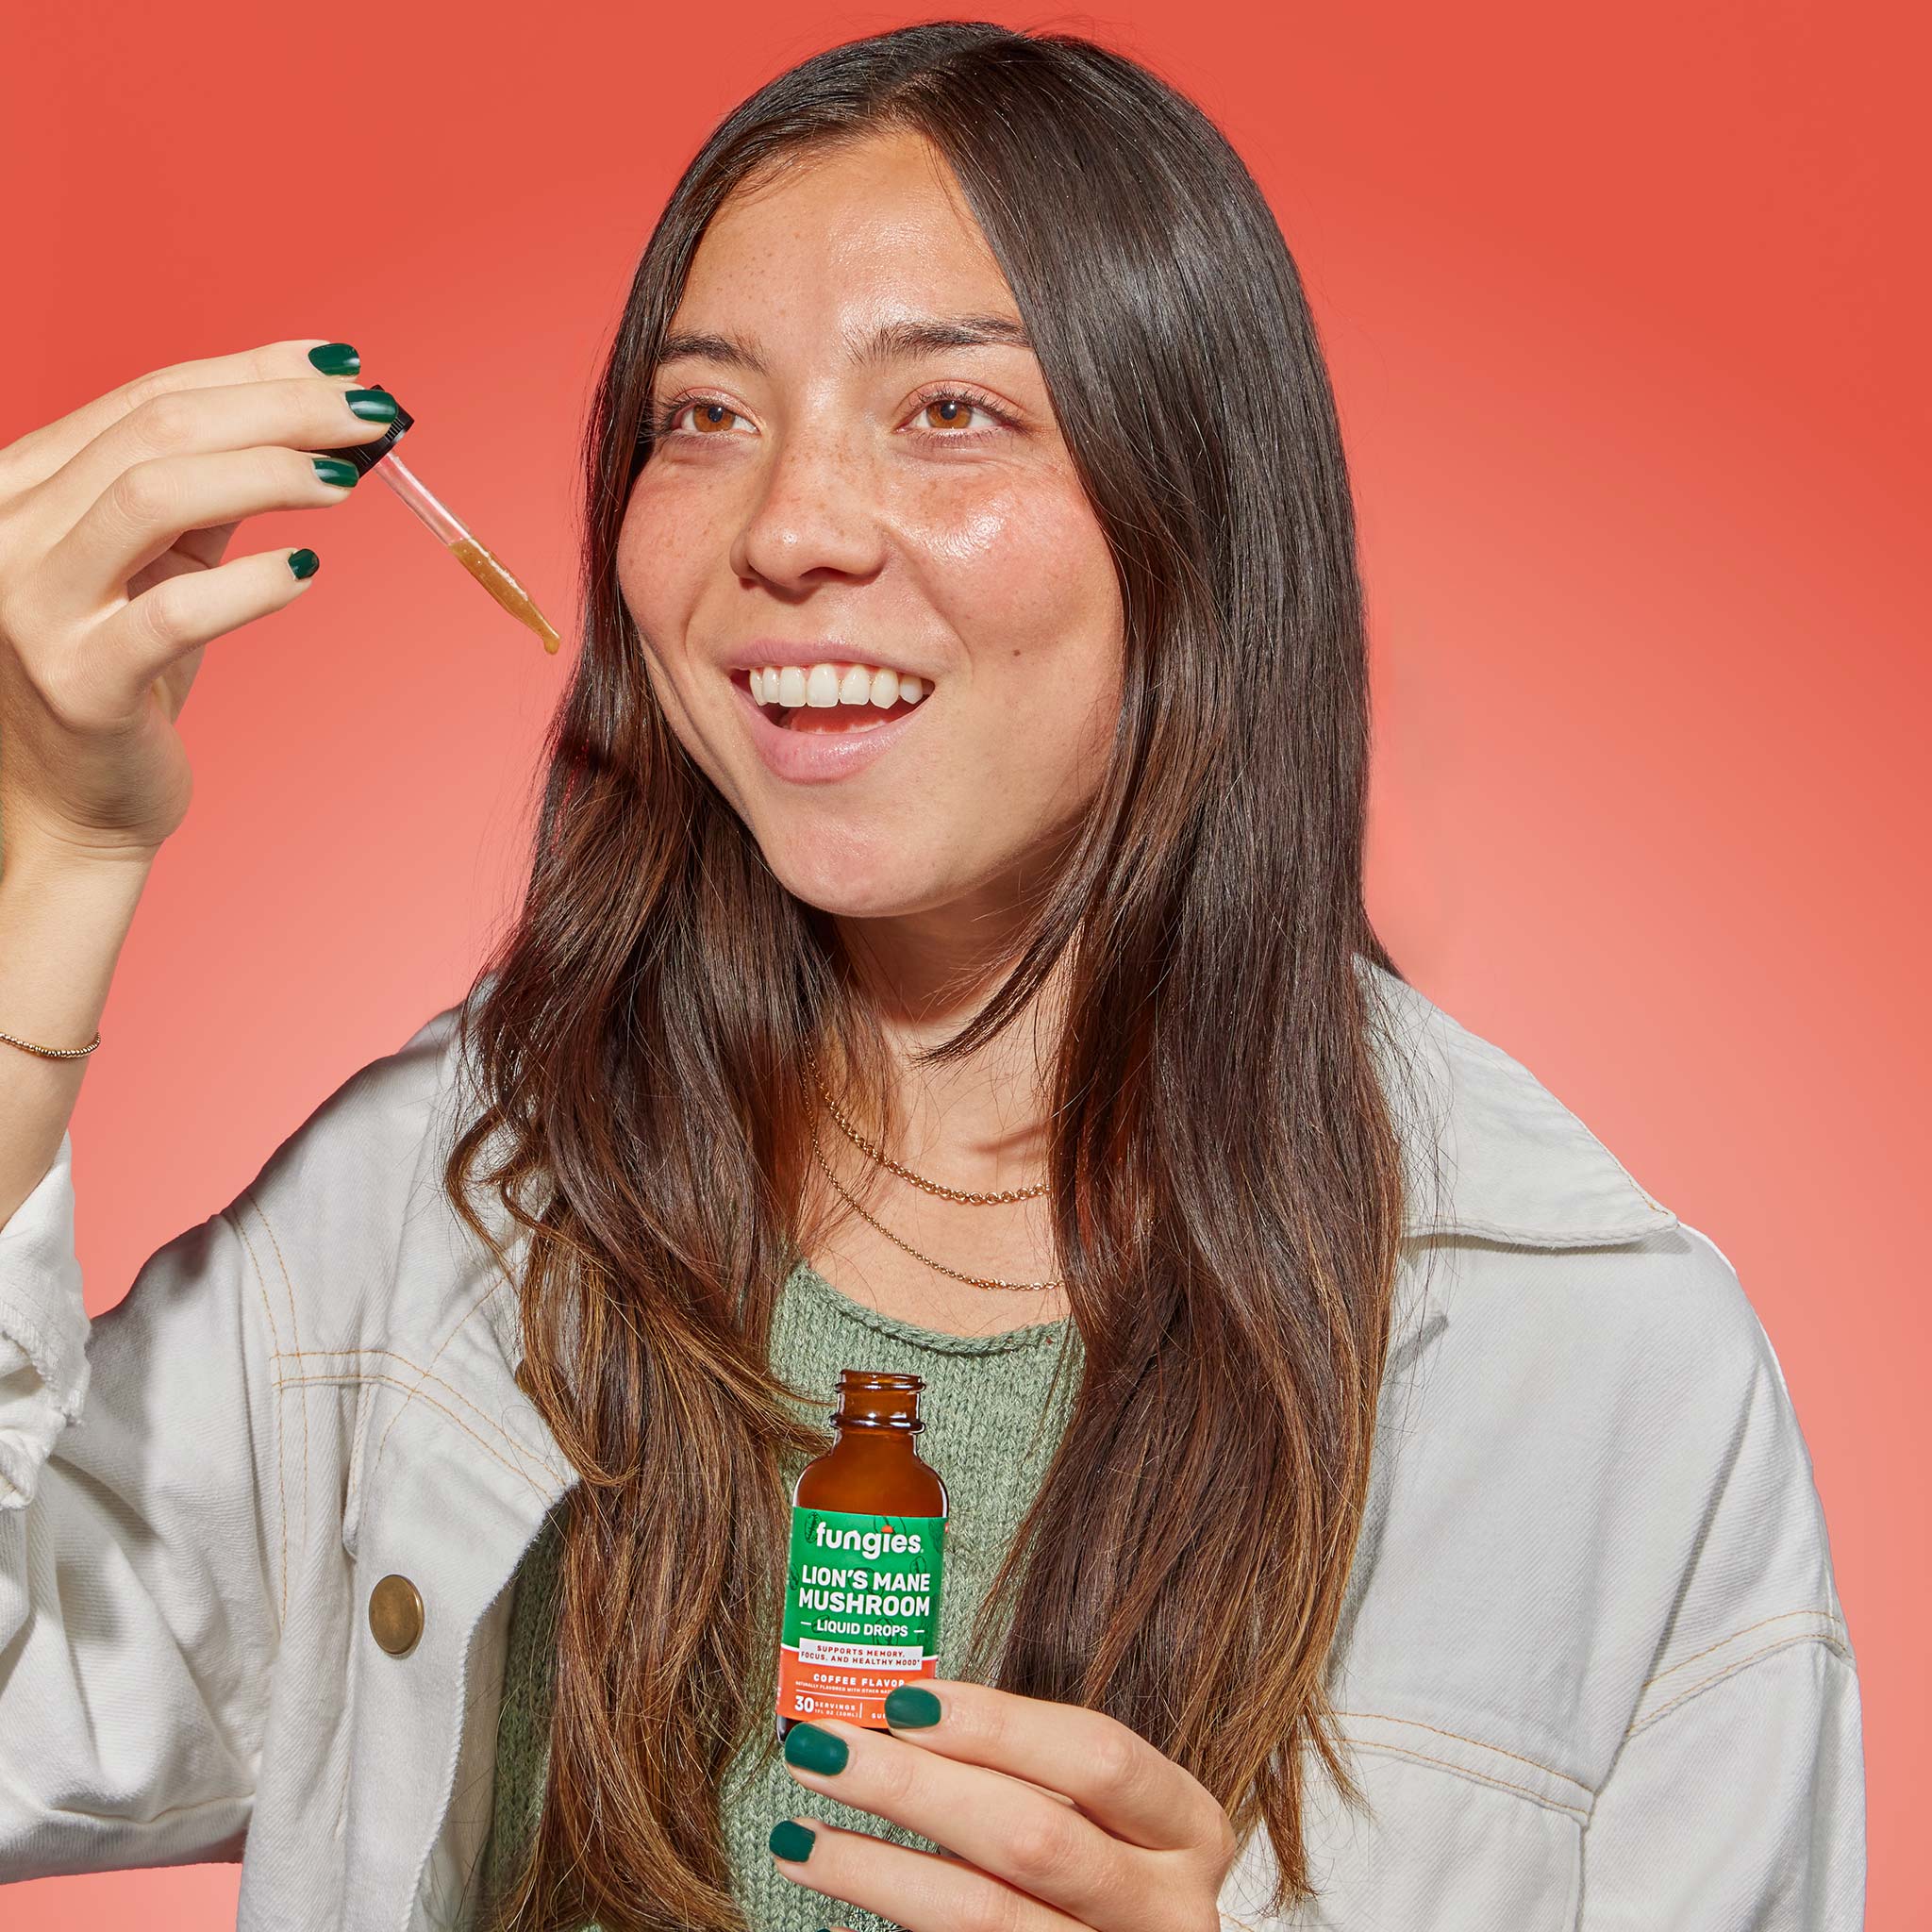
x: 861, y: 1612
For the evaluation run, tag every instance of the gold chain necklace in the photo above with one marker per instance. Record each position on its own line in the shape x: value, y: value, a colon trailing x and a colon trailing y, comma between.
x: 972, y: 1280
x: 964, y: 1195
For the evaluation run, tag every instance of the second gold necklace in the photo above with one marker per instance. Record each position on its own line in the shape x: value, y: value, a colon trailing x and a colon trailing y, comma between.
x: 964, y: 1195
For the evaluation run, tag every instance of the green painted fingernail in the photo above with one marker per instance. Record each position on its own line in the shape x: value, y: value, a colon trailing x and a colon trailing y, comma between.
x: 305, y: 563
x: 333, y: 469
x: 790, y: 1840
x: 336, y: 359
x: 812, y: 1749
x: 371, y: 405
x: 911, y: 1709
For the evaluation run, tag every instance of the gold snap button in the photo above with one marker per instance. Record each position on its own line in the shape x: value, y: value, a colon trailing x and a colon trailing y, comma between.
x: 395, y: 1614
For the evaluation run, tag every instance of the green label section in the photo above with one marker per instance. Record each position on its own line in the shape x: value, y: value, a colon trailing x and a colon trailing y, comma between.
x: 864, y: 1580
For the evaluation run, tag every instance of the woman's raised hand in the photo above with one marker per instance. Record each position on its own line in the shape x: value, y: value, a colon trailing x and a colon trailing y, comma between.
x: 1054, y: 1818
x: 113, y: 521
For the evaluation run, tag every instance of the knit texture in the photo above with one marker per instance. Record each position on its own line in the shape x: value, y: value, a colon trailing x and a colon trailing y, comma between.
x: 995, y: 1413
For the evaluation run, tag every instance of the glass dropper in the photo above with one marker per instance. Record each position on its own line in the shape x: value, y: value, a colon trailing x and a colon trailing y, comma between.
x: 481, y: 564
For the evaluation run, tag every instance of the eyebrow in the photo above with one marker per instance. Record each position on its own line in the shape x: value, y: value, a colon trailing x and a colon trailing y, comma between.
x: 892, y: 342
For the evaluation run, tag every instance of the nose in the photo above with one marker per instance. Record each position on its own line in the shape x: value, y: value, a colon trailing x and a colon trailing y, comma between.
x: 814, y: 515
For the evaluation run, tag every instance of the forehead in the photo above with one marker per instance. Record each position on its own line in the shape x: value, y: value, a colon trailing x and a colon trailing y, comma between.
x: 851, y: 235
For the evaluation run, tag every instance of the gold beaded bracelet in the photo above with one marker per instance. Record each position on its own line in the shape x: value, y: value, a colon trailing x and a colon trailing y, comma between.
x: 53, y: 1053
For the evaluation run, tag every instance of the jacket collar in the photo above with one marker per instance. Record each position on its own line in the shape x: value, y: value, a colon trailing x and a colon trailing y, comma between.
x: 1487, y: 1150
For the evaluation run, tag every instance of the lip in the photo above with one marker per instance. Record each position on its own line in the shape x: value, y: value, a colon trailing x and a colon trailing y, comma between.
x: 821, y: 758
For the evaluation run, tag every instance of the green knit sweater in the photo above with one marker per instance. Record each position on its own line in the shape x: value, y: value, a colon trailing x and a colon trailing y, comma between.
x: 995, y: 1413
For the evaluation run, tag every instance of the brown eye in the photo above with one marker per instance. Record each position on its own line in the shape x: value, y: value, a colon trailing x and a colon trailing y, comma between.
x: 709, y: 417
x: 950, y: 411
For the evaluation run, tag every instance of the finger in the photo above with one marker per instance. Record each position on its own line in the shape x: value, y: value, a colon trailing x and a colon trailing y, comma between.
x: 147, y: 507
x: 297, y: 413
x: 33, y: 457
x: 1003, y: 1826
x: 208, y: 544
x: 1111, y: 1772
x: 913, y: 1889
x: 115, y: 663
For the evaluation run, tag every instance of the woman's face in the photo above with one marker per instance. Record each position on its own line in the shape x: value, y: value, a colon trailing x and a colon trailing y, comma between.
x: 828, y: 493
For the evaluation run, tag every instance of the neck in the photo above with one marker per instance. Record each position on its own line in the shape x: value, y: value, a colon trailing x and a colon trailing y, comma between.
x: 977, y: 1121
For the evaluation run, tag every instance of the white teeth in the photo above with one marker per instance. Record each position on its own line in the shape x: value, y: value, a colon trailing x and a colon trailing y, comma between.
x: 789, y: 686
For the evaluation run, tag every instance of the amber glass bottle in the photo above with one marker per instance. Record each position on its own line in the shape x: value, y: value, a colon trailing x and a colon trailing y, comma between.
x: 862, y: 1582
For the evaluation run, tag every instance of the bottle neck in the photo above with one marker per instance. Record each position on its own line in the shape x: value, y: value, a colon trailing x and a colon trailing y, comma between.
x: 874, y: 1438
x: 877, y: 1404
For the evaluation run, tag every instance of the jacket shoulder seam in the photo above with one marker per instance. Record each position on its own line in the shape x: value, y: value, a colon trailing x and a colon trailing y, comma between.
x: 1832, y: 1645
x: 1830, y: 1617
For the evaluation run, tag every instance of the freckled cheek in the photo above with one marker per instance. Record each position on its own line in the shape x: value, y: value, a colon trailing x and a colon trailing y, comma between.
x: 665, y: 546
x: 1028, y: 569
x: 665, y: 555
x: 1027, y: 583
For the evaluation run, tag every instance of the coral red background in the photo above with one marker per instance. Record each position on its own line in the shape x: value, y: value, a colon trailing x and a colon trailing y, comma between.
x: 1625, y: 312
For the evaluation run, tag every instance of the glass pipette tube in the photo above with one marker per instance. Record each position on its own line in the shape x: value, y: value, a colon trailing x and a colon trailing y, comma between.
x: 481, y: 564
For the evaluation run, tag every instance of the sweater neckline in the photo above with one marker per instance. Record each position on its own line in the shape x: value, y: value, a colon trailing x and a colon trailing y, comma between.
x: 1033, y: 1335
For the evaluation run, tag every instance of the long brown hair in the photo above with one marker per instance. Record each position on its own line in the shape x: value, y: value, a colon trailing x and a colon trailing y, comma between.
x: 1225, y: 1171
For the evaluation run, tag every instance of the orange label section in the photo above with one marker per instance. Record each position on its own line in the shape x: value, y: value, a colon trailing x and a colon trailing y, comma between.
x: 852, y: 1691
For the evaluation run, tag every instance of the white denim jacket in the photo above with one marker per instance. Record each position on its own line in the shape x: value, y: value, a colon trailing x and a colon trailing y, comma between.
x: 1593, y: 1668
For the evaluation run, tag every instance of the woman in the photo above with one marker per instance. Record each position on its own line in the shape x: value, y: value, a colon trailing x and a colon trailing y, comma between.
x: 945, y: 950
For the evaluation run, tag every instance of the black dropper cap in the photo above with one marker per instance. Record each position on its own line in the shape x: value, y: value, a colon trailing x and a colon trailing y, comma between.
x: 365, y: 456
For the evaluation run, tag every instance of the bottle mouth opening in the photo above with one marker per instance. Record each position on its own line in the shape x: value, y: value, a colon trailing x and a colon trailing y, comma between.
x: 878, y: 1399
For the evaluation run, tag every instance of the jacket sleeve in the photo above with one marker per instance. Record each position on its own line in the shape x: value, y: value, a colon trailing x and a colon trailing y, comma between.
x: 139, y: 1532
x: 1741, y: 1810
x: 1735, y: 1801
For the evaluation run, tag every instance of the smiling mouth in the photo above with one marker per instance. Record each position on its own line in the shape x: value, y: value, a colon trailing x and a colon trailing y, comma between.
x: 840, y: 717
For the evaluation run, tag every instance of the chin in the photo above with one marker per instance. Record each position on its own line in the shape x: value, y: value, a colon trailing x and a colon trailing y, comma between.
x: 854, y: 879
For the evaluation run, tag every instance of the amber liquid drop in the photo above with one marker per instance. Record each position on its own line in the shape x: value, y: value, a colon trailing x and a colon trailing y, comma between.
x: 494, y: 578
